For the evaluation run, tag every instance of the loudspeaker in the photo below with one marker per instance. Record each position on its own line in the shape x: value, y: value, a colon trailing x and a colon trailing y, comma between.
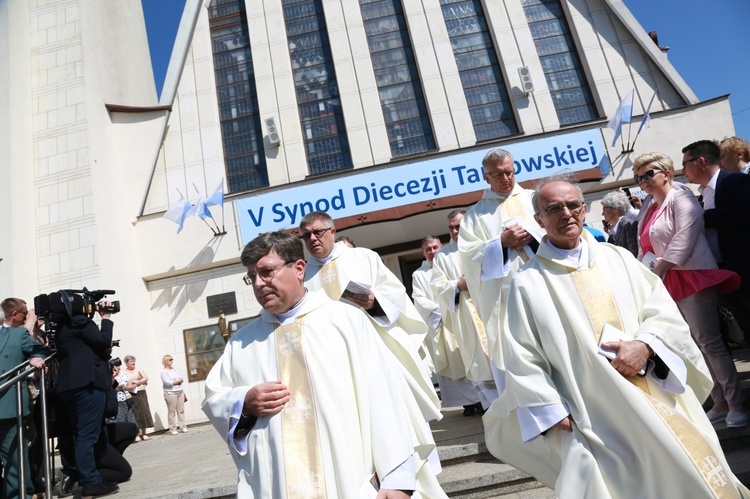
x: 526, y: 84
x: 274, y: 137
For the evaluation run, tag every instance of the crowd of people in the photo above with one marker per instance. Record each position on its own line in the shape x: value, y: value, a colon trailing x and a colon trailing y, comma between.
x: 95, y: 411
x: 584, y: 358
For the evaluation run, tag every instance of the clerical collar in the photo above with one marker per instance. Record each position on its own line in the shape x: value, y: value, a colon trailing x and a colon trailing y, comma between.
x: 338, y: 248
x: 289, y: 315
x: 577, y: 257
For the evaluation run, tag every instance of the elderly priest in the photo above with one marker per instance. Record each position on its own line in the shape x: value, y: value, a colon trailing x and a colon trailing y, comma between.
x: 585, y: 318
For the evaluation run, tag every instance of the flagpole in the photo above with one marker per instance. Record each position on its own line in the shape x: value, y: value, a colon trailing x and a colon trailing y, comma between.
x: 209, y: 226
x: 645, y: 121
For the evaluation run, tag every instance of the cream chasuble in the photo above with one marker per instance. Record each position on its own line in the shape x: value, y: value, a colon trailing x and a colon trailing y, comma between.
x: 461, y: 319
x: 481, y: 224
x: 405, y: 331
x: 630, y: 437
x: 442, y: 342
x: 345, y: 420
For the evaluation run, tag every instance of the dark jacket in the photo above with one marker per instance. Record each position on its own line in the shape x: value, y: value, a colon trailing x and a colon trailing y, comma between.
x: 731, y: 219
x: 83, y: 352
x: 16, y: 345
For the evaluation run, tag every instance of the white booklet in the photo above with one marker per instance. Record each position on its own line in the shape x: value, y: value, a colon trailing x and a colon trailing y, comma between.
x: 355, y: 288
x: 611, y: 334
x: 650, y: 260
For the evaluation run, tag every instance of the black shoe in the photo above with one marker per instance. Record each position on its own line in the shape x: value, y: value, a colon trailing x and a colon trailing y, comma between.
x: 470, y: 410
x: 479, y: 410
x: 100, y: 489
x: 66, y: 485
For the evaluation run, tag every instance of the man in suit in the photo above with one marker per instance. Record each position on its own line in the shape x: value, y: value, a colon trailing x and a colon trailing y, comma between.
x: 726, y: 201
x: 726, y: 204
x: 84, y: 377
x: 16, y: 346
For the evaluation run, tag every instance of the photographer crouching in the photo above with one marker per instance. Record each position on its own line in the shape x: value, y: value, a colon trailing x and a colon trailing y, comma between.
x: 84, y: 376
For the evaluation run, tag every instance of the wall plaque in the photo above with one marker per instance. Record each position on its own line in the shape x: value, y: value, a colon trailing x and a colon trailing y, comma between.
x: 225, y: 302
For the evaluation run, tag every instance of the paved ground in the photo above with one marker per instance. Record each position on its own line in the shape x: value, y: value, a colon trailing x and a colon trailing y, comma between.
x: 197, y: 464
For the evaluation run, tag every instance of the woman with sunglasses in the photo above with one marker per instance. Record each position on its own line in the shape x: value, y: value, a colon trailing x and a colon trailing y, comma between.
x: 174, y: 395
x: 673, y: 245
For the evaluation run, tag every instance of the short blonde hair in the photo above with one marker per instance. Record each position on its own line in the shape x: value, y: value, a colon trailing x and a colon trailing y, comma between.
x: 736, y: 145
x: 165, y: 359
x: 658, y: 160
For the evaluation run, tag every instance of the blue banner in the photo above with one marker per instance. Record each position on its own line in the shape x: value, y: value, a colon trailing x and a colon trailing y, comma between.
x: 374, y: 190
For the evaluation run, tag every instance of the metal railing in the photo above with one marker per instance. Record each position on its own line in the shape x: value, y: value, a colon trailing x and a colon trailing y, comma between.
x: 21, y: 373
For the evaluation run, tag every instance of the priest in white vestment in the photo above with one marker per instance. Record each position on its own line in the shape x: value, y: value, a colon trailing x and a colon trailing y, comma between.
x: 332, y: 266
x: 455, y: 389
x: 459, y: 314
x: 498, y: 234
x: 303, y: 396
x: 616, y: 431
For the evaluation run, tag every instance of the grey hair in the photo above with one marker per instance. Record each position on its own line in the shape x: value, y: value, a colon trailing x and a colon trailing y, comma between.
x: 429, y: 239
x: 567, y: 177
x: 495, y: 155
x: 618, y: 201
x: 316, y: 216
x: 455, y: 213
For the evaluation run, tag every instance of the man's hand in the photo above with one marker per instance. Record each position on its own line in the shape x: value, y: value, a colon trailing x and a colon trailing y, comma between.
x: 265, y: 399
x: 104, y: 315
x: 515, y: 236
x: 461, y: 284
x: 30, y: 320
x: 565, y: 424
x: 366, y: 302
x: 631, y: 356
x: 392, y: 494
x: 36, y: 362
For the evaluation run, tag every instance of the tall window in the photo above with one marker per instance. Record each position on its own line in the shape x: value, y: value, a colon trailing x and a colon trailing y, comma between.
x: 326, y: 143
x: 560, y: 61
x: 482, y: 81
x: 404, y: 109
x: 241, y: 131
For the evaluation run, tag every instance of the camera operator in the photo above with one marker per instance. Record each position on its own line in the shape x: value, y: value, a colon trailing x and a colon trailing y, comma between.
x: 84, y: 376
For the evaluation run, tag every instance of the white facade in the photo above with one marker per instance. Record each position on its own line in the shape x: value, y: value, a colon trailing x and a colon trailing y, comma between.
x: 91, y: 160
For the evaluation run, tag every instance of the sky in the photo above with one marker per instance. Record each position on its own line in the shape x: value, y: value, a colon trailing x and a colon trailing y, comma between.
x: 709, y: 44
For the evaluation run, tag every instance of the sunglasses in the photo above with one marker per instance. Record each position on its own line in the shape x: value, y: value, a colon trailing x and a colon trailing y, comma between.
x: 639, y: 179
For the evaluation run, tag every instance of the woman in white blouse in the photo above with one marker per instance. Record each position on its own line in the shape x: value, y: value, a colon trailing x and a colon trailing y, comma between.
x: 174, y: 396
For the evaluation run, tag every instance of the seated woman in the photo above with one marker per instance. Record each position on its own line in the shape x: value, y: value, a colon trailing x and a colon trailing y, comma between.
x: 673, y: 246
x: 622, y: 232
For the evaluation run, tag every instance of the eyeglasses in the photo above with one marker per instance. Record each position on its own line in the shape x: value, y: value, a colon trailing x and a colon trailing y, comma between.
x: 684, y: 163
x: 555, y: 210
x: 639, y: 179
x: 318, y: 233
x: 265, y: 275
x: 501, y: 174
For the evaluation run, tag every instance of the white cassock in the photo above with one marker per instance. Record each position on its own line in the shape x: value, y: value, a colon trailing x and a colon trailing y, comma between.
x: 487, y: 275
x: 344, y: 421
x: 401, y: 328
x: 455, y: 389
x: 461, y: 319
x: 645, y: 437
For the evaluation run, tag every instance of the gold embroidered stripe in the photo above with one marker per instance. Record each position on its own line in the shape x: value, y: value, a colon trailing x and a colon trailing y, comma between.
x: 599, y: 302
x: 329, y: 279
x: 479, y: 326
x: 511, y: 208
x: 303, y: 464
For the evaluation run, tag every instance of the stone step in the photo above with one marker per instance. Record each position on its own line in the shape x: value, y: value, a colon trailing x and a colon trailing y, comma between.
x: 484, y: 478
